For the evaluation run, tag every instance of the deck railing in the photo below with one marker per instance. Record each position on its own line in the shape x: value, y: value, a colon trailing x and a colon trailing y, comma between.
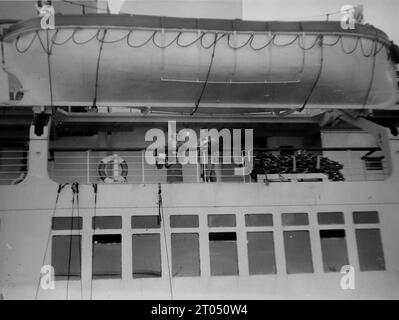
x: 13, y: 166
x: 105, y: 166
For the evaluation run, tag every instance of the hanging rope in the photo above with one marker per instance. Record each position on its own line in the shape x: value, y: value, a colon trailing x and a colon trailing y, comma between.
x: 162, y: 218
x: 75, y: 197
x: 197, y: 103
x: 53, y: 109
x: 317, y: 77
x: 60, y: 188
x: 370, y: 85
x: 98, y: 69
x: 95, y: 188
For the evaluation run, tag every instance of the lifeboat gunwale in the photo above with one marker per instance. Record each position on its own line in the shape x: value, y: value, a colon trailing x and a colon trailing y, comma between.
x: 143, y: 22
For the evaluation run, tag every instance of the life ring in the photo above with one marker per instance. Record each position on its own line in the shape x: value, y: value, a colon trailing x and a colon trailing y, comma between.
x: 120, y: 162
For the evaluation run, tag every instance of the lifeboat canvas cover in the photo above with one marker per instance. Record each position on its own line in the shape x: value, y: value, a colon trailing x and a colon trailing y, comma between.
x: 125, y: 60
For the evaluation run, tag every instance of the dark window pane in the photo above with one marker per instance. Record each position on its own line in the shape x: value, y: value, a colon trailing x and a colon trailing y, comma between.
x: 110, y: 222
x: 261, y: 257
x: 334, y: 250
x: 66, y: 257
x: 107, y: 256
x: 369, y: 247
x: 330, y: 218
x: 298, y: 253
x: 221, y: 220
x: 145, y: 222
x: 184, y: 221
x: 146, y: 256
x: 185, y: 255
x: 259, y: 220
x: 360, y: 217
x: 67, y: 223
x: 223, y: 253
x: 295, y: 219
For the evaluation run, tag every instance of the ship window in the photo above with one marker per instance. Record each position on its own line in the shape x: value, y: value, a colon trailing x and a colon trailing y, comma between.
x: 364, y: 217
x: 67, y: 223
x: 103, y: 222
x: 334, y: 250
x: 369, y: 247
x: 221, y: 220
x: 107, y: 256
x: 298, y: 253
x: 373, y: 163
x: 259, y: 220
x: 261, y: 257
x: 184, y: 221
x: 66, y: 257
x: 185, y: 255
x: 145, y: 222
x: 146, y: 256
x: 295, y: 219
x: 330, y: 218
x: 223, y: 253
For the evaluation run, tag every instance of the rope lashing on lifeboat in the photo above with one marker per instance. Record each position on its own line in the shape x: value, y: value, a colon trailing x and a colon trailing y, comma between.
x: 197, y: 103
x: 98, y: 68
x: 60, y: 188
x: 316, y: 81
x: 372, y: 73
x: 102, y: 168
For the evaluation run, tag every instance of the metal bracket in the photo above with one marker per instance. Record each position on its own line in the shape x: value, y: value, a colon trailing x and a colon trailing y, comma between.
x: 379, y: 132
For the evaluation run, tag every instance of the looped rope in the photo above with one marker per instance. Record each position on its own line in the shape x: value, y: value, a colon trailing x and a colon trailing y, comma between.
x: 75, y: 188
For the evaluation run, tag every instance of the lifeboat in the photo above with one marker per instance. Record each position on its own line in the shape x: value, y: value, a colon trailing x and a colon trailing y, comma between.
x: 159, y: 62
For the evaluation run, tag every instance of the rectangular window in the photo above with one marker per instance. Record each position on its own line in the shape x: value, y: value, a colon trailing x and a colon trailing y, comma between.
x: 107, y: 222
x: 221, y: 220
x: 298, y: 254
x: 261, y: 256
x: 334, y: 250
x: 373, y: 163
x: 67, y: 223
x: 146, y: 256
x: 259, y: 220
x: 145, y: 222
x: 364, y: 217
x: 330, y: 218
x: 369, y: 247
x: 295, y: 219
x: 185, y: 255
x: 223, y: 253
x: 184, y: 221
x: 107, y: 262
x: 66, y: 257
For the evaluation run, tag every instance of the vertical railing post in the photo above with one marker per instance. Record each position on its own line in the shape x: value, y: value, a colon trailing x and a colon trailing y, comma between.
x: 243, y: 165
x: 88, y: 166
x: 142, y: 167
x: 204, y: 165
x: 198, y: 169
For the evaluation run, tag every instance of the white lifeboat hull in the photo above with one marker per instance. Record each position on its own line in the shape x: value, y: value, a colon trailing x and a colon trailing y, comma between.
x: 78, y: 63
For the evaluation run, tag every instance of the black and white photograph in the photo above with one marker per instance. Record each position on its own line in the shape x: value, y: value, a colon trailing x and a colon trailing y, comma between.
x: 183, y: 151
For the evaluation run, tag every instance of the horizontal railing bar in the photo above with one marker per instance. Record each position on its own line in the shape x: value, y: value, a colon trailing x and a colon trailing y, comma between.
x: 75, y: 149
